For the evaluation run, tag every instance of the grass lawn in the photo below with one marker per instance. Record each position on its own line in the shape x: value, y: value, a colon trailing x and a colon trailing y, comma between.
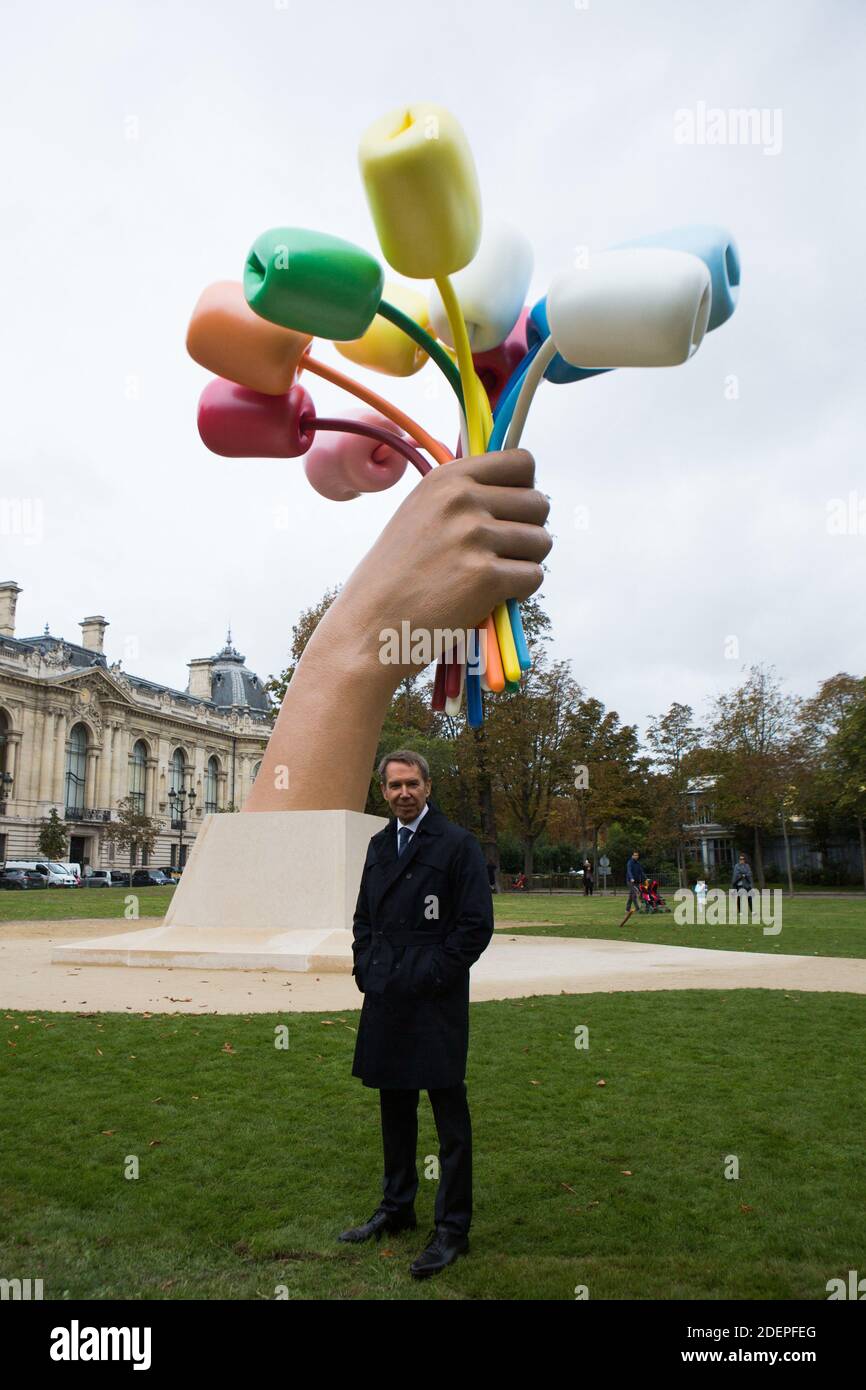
x: 253, y: 1158
x: 61, y: 904
x: 810, y: 926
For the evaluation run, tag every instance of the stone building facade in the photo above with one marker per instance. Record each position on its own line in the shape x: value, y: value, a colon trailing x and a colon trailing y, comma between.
x: 79, y: 735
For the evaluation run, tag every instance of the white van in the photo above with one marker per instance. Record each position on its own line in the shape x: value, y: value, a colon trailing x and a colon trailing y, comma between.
x: 74, y: 869
x: 56, y: 875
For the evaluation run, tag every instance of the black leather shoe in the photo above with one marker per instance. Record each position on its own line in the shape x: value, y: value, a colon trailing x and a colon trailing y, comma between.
x: 381, y: 1221
x: 442, y: 1250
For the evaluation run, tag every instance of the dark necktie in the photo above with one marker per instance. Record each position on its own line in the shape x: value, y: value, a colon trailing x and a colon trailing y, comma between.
x: 404, y: 835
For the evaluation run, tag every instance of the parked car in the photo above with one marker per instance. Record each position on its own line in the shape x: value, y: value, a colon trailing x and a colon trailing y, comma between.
x: 55, y: 875
x: 172, y: 871
x: 74, y: 869
x: 151, y: 878
x: 22, y: 879
x: 99, y: 878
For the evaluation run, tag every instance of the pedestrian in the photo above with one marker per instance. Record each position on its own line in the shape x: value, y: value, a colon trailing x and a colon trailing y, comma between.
x: 588, y: 883
x: 633, y: 877
x: 742, y: 879
x: 423, y: 917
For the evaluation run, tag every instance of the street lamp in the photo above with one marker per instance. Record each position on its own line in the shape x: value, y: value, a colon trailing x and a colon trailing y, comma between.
x: 179, y: 800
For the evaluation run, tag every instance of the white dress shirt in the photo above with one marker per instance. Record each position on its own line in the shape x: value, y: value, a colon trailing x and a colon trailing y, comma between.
x: 410, y: 825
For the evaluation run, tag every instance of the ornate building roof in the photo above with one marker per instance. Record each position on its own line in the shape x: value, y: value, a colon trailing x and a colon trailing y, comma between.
x: 233, y: 685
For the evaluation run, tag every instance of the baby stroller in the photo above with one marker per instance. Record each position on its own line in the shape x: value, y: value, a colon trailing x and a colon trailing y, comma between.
x: 650, y: 897
x: 659, y: 904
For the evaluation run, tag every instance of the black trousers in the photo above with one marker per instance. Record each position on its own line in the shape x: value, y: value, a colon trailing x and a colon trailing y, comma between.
x: 399, y: 1109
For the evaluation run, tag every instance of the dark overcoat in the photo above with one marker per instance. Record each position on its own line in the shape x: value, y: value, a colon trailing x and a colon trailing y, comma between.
x: 421, y: 921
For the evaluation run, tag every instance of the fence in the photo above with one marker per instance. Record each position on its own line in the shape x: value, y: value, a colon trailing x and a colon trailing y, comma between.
x: 573, y: 883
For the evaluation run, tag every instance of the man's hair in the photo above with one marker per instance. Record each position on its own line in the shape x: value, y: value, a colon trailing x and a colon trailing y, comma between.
x: 404, y: 755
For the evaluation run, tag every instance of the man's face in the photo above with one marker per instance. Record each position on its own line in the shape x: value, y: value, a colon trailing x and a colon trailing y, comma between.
x: 405, y: 790
x: 636, y: 855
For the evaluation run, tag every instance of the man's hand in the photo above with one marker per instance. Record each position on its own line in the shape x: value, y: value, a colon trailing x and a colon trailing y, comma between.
x: 469, y: 536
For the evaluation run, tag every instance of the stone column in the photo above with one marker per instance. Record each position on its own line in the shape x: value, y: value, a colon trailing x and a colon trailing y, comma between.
x: 119, y: 765
x: 150, y: 784
x: 12, y: 762
x: 90, y: 778
x: 58, y: 789
x: 46, y: 763
x: 104, y: 794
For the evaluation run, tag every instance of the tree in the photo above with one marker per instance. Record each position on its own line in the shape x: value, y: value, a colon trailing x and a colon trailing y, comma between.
x: 276, y: 686
x: 479, y: 749
x: 673, y: 738
x: 847, y: 754
x: 608, y: 778
x: 132, y: 831
x: 532, y: 747
x: 819, y: 774
x: 751, y: 746
x: 53, y: 836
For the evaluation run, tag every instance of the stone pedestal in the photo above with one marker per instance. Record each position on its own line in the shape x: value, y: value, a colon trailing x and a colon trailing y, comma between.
x: 262, y: 890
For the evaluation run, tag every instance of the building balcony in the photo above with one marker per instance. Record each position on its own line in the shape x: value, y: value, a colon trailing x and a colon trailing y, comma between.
x: 86, y: 813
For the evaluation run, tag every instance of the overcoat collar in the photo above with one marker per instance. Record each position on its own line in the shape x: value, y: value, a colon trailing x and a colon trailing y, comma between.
x: 386, y: 850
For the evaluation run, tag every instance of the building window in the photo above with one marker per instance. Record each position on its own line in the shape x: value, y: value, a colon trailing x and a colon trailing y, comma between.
x: 177, y: 771
x: 211, y: 784
x: 76, y: 768
x: 257, y: 769
x: 138, y: 777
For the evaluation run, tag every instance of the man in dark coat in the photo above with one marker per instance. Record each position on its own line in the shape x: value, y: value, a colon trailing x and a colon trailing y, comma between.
x: 423, y: 917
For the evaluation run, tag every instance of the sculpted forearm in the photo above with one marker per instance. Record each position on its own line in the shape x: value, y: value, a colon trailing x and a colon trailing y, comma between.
x: 329, y: 721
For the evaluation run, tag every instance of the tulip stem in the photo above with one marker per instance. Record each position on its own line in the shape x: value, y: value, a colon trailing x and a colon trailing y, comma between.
x: 426, y: 341
x: 464, y: 361
x: 533, y: 377
x: 394, y: 441
x: 392, y: 412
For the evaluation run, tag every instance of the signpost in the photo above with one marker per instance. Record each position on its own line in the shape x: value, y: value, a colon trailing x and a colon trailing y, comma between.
x: 604, y: 870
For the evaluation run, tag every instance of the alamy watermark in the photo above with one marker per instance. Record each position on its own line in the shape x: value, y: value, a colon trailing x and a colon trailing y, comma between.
x: 419, y: 646
x: 718, y: 908
x: 712, y: 125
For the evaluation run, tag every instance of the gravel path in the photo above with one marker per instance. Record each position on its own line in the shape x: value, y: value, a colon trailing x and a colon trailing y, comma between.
x: 511, y: 967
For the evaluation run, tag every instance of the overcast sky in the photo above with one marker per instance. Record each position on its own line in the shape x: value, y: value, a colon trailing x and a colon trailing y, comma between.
x: 146, y: 145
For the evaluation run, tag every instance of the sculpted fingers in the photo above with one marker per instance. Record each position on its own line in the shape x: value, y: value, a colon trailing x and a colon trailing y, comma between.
x: 513, y: 540
x: 515, y: 578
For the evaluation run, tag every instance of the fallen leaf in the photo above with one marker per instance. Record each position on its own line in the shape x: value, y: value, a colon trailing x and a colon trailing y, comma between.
x: 227, y: 1047
x: 152, y: 1143
x: 109, y: 1132
x: 601, y: 1083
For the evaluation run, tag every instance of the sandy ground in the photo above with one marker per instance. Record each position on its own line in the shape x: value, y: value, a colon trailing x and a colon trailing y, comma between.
x: 511, y: 967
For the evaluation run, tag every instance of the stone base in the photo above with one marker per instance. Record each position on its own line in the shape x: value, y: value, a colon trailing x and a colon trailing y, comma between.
x: 262, y: 890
